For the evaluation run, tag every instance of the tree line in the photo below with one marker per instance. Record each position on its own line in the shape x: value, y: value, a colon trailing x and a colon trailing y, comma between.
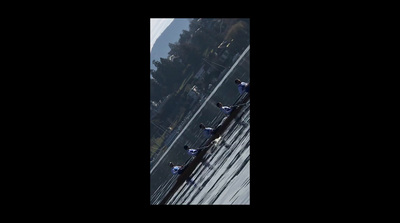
x: 193, y: 47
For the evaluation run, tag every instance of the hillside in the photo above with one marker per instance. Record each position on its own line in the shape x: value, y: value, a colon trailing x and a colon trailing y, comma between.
x: 170, y: 35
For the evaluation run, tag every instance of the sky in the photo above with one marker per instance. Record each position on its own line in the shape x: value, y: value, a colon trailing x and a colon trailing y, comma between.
x: 157, y: 26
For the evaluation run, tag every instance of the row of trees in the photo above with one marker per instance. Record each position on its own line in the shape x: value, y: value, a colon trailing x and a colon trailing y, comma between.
x: 192, y: 48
